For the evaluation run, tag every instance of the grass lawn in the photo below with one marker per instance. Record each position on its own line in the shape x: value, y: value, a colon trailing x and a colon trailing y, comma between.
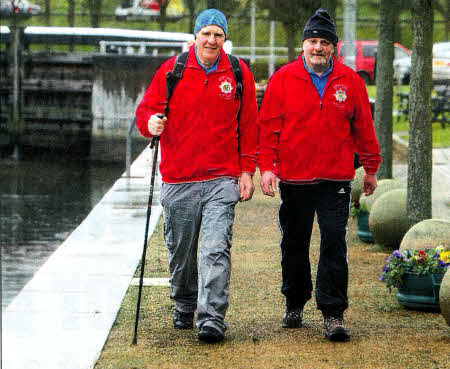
x: 384, y: 335
x: 441, y: 136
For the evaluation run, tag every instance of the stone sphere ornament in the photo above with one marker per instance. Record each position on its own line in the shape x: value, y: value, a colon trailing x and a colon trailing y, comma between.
x: 357, y: 184
x: 444, y: 297
x: 388, y: 220
x: 383, y: 186
x: 429, y: 232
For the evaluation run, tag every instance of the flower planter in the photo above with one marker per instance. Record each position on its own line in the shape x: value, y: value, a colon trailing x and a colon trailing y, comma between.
x: 362, y: 221
x: 420, y: 292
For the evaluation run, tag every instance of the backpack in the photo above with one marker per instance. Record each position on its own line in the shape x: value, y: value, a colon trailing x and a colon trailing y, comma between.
x: 174, y: 76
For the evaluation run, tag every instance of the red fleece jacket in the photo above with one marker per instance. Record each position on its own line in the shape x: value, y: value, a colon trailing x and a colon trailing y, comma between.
x: 202, y: 139
x: 303, y: 137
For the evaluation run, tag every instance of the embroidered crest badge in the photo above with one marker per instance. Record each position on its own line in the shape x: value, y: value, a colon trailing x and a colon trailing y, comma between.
x: 226, y: 87
x: 340, y: 95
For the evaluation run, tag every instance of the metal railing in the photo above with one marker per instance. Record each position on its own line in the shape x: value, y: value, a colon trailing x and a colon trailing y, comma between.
x: 141, y: 47
x: 262, y: 52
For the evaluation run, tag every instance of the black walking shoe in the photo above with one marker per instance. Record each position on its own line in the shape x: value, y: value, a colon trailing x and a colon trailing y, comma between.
x: 293, y: 318
x: 210, y: 335
x: 183, y: 320
x: 334, y: 328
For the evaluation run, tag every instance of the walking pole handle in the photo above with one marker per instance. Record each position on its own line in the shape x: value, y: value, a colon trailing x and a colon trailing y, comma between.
x: 156, y: 138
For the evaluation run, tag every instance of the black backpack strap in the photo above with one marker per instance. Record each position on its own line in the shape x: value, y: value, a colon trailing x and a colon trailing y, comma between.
x: 174, y: 76
x: 237, y: 74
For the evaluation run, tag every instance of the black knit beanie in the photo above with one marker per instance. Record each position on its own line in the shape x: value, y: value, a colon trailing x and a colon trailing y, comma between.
x: 320, y: 25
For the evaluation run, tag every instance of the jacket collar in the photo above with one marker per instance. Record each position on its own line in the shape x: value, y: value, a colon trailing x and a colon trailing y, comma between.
x: 300, y: 71
x: 221, y: 66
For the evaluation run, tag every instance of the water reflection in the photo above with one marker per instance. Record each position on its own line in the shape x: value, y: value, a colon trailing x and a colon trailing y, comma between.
x: 41, y: 203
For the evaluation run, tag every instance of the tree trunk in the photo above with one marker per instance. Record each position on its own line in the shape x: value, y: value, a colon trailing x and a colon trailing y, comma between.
x: 47, y: 13
x: 71, y: 13
x: 330, y: 6
x: 95, y: 9
x: 291, y: 39
x: 384, y: 81
x: 163, y: 14
x: 191, y: 9
x: 71, y: 18
x: 420, y: 133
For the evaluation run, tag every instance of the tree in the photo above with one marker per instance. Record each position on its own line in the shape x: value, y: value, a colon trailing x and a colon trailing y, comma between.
x: 227, y: 7
x: 163, y: 4
x: 331, y: 6
x: 191, y: 5
x: 47, y: 13
x: 292, y: 14
x: 420, y: 132
x: 95, y: 11
x: 439, y: 6
x: 71, y: 13
x: 384, y: 81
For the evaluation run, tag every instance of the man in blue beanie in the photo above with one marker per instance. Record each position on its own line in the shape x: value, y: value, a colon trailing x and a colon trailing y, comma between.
x: 314, y: 116
x: 208, y: 158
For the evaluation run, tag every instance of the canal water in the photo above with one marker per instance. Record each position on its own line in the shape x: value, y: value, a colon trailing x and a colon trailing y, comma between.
x: 41, y: 202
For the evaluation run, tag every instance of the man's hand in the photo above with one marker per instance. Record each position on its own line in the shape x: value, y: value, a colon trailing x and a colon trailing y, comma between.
x: 246, y: 187
x: 156, y: 125
x: 369, y: 184
x: 268, y: 183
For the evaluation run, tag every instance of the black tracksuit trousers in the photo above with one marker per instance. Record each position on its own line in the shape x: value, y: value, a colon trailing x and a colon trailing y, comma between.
x: 331, y: 201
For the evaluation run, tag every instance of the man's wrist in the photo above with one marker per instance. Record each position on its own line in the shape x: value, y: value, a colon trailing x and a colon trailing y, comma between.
x: 249, y: 173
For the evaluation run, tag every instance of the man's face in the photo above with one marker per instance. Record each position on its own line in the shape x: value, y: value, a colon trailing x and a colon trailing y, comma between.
x: 317, y: 52
x: 209, y: 41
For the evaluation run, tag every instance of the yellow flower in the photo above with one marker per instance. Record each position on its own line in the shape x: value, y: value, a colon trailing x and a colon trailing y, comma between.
x: 445, y: 256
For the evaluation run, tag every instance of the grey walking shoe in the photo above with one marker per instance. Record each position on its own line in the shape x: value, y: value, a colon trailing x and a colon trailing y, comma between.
x: 210, y: 335
x: 334, y: 328
x: 182, y: 320
x: 293, y: 318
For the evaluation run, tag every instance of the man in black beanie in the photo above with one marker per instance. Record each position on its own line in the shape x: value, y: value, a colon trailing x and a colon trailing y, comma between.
x: 314, y: 116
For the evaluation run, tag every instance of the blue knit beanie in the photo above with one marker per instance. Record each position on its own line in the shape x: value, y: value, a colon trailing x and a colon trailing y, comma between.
x: 320, y: 25
x: 210, y: 17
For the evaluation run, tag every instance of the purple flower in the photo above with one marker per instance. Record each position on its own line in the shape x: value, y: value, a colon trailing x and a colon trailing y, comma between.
x: 442, y: 264
x: 436, y: 255
x: 388, y: 258
x: 385, y: 268
x: 382, y: 278
x: 397, y: 254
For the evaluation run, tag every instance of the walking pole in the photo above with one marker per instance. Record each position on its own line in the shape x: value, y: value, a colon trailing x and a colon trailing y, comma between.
x: 154, y: 144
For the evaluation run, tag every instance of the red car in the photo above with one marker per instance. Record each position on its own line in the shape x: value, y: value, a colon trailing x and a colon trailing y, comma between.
x: 365, y: 57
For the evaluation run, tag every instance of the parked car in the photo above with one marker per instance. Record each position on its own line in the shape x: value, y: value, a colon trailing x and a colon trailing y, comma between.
x: 366, y: 51
x: 402, y: 70
x: 146, y: 9
x: 21, y: 7
x: 441, y: 63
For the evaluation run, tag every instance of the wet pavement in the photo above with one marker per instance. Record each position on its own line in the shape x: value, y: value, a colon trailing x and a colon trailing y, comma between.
x: 64, y: 314
x: 62, y: 317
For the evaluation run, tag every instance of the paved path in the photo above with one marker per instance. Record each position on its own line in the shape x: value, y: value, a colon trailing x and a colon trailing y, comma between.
x: 440, y: 191
x: 62, y: 317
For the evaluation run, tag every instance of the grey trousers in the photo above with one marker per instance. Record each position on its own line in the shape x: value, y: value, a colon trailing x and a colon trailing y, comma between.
x: 202, y: 210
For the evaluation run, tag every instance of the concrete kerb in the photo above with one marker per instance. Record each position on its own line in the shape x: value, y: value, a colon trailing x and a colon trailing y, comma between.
x: 63, y: 316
